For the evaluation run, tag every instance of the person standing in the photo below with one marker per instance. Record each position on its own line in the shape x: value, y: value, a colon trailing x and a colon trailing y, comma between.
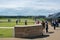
x: 57, y: 24
x: 46, y: 23
x: 37, y: 21
x: 43, y: 24
x: 16, y: 21
x: 54, y: 24
x: 9, y: 20
x: 25, y: 22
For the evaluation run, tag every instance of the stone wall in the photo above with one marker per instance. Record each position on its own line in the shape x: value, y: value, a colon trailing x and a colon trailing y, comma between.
x: 28, y: 31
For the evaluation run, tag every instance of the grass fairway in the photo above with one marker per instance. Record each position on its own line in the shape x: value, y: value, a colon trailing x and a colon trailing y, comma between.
x: 5, y: 33
x: 5, y: 23
x: 8, y: 32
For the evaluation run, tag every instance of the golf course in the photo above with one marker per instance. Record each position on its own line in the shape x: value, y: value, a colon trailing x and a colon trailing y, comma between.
x: 6, y: 28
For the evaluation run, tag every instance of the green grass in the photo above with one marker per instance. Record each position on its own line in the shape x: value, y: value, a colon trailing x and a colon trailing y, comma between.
x: 6, y: 24
x: 4, y: 33
x: 13, y: 22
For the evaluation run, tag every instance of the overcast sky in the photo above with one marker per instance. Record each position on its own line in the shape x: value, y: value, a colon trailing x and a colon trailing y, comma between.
x: 33, y: 4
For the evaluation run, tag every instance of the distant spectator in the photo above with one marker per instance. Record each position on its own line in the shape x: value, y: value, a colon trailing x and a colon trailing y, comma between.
x: 9, y: 20
x: 52, y: 23
x: 37, y: 21
x: 25, y: 22
x: 16, y: 21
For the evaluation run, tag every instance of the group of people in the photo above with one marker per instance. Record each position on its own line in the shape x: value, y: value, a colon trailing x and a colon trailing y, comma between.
x: 18, y: 21
x: 44, y: 24
x: 55, y: 24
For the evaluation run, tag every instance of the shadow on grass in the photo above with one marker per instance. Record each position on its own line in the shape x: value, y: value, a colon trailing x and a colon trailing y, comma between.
x: 34, y: 37
x: 1, y: 35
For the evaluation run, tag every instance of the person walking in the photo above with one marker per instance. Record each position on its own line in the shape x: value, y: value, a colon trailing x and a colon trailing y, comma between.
x: 54, y: 24
x: 46, y: 24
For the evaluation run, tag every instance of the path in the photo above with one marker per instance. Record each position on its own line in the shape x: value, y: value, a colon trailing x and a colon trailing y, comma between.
x: 55, y: 35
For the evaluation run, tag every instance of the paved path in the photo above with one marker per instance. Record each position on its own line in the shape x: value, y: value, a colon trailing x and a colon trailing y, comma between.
x: 53, y: 35
x: 19, y: 39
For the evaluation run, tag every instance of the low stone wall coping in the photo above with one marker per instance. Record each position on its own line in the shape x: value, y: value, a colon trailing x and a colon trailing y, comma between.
x: 27, y: 25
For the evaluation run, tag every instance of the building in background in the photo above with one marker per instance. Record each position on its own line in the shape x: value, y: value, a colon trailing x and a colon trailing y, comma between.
x: 55, y: 16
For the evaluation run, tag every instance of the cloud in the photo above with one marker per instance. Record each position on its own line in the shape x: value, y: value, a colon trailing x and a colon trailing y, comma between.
x: 25, y: 12
x: 46, y: 4
x: 30, y: 7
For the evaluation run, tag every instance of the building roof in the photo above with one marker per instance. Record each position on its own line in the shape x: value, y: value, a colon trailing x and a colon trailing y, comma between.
x: 55, y: 15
